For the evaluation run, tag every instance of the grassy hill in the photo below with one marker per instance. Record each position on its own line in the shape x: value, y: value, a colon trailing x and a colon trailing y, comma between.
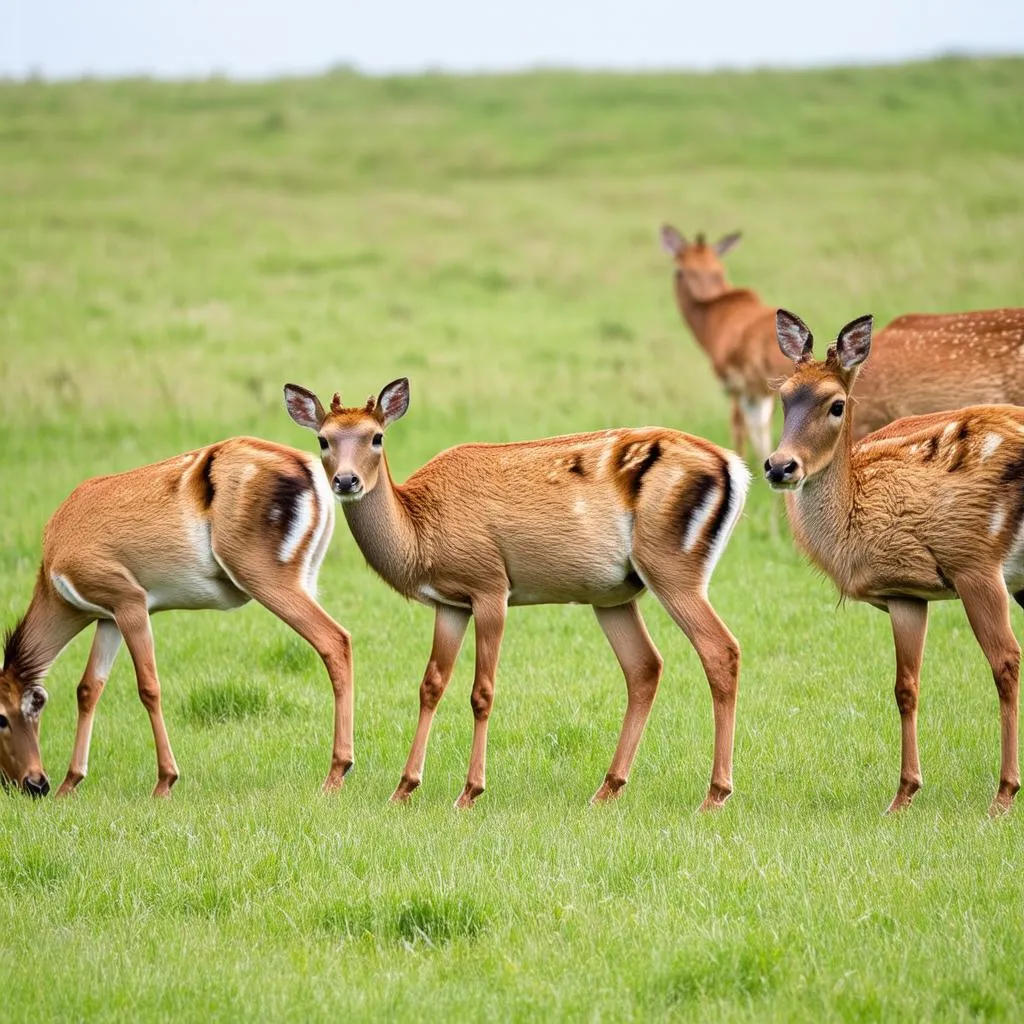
x: 171, y: 254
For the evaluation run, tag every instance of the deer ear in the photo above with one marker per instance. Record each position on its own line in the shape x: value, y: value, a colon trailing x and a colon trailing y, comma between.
x: 303, y: 406
x: 393, y: 401
x: 672, y: 242
x: 795, y: 339
x: 33, y: 701
x: 726, y: 242
x: 854, y: 342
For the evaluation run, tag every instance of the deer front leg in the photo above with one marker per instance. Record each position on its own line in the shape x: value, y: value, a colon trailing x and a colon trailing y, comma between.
x: 449, y: 629
x: 909, y: 629
x: 490, y: 627
x: 988, y: 608
x: 105, y: 645
x: 133, y: 622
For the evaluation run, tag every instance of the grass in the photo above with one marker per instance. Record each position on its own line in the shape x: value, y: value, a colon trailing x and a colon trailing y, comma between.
x: 171, y: 254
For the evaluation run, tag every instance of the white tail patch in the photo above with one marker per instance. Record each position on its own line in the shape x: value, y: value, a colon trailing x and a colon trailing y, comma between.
x: 739, y: 478
x: 64, y: 587
x: 324, y: 504
x: 300, y: 526
x: 990, y: 444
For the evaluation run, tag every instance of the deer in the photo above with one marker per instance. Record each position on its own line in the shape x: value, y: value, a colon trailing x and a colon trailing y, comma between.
x: 928, y: 362
x: 239, y: 520
x: 928, y: 508
x: 590, y: 518
x: 735, y: 329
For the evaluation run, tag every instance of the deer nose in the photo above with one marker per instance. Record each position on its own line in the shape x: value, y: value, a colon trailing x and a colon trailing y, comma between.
x: 782, y: 471
x: 36, y: 785
x: 347, y: 483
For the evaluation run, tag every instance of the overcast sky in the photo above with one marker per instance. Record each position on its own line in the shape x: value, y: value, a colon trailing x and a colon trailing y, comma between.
x: 259, y: 38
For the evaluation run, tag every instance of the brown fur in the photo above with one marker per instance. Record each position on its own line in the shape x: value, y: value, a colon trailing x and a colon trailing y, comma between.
x: 735, y: 329
x: 923, y: 363
x: 212, y: 528
x: 587, y: 518
x: 928, y: 508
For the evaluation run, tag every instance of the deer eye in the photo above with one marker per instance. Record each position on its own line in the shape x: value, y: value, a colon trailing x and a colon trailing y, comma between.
x: 837, y: 408
x: 323, y: 442
x: 3, y: 722
x: 378, y: 440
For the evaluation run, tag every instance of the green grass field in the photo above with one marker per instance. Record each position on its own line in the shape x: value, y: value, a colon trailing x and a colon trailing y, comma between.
x: 171, y: 254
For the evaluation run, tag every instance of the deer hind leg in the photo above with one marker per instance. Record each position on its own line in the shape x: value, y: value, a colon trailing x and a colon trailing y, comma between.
x: 719, y: 654
x: 449, y: 629
x: 739, y: 427
x: 490, y: 627
x: 278, y: 588
x: 105, y: 645
x: 132, y: 620
x: 641, y: 665
x: 909, y: 628
x: 988, y: 610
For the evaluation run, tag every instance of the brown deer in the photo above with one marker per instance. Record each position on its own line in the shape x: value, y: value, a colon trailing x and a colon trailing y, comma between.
x: 929, y: 508
x: 926, y: 362
x: 587, y: 519
x: 736, y: 330
x: 212, y: 528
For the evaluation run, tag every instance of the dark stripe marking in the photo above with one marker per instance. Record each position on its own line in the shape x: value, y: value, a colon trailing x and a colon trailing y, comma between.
x: 692, y: 497
x: 576, y: 466
x: 287, y: 491
x: 931, y: 450
x: 206, y: 479
x: 724, y: 506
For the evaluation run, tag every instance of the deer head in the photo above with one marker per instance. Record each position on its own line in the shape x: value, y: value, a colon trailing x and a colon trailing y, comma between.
x: 815, y: 399
x: 698, y: 263
x: 351, y: 439
x: 21, y: 704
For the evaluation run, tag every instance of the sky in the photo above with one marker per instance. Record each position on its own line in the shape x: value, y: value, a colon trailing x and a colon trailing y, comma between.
x: 266, y: 38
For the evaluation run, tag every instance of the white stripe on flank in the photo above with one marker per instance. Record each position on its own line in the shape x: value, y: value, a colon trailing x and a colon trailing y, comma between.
x: 64, y: 587
x: 990, y: 444
x: 739, y: 477
x: 700, y: 516
x: 998, y: 520
x: 324, y: 504
x: 299, y: 528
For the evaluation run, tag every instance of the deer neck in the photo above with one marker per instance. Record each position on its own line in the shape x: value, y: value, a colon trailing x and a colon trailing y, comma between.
x: 386, y: 534
x: 822, y: 514
x: 699, y: 316
x: 46, y: 628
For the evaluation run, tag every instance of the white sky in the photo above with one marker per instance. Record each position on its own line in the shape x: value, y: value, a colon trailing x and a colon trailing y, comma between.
x: 260, y: 38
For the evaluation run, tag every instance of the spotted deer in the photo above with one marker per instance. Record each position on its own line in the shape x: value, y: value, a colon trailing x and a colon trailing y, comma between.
x: 927, y: 362
x: 587, y: 518
x: 213, y: 528
x: 929, y: 508
x: 735, y: 329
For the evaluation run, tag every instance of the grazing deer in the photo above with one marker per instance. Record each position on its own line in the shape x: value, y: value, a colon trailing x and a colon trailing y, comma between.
x: 736, y: 330
x: 929, y: 508
x: 924, y: 363
x: 212, y: 528
x: 587, y: 518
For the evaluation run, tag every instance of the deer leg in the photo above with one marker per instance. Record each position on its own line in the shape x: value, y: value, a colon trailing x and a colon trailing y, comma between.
x: 719, y: 654
x: 641, y: 665
x: 909, y: 628
x: 133, y: 621
x: 105, y: 645
x: 988, y: 610
x: 293, y: 606
x: 739, y: 428
x: 490, y: 626
x: 449, y: 629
